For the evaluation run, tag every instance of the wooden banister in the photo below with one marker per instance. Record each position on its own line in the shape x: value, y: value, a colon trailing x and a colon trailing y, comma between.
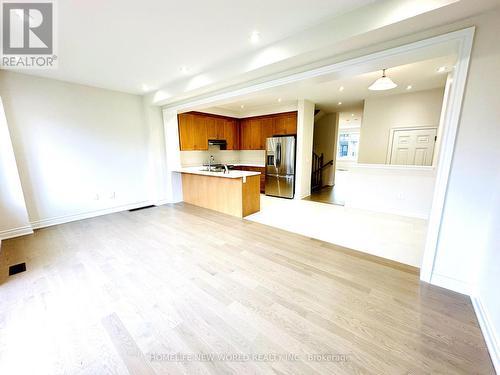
x: 317, y: 171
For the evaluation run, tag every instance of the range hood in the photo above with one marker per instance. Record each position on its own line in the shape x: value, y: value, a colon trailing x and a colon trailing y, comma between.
x: 218, y: 142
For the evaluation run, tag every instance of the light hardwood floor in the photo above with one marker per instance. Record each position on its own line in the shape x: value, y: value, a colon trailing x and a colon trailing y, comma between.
x: 118, y: 293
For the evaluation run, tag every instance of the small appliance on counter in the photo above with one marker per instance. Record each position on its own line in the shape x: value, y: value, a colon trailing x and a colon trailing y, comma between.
x: 280, y: 166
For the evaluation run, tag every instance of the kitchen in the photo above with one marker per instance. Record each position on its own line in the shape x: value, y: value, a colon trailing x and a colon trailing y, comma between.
x: 224, y: 159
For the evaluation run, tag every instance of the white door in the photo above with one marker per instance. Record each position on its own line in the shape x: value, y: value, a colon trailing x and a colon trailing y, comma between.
x: 413, y: 146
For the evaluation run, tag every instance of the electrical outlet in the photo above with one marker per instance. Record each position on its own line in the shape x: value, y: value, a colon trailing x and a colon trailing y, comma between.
x: 401, y: 196
x: 96, y: 197
x: 112, y: 195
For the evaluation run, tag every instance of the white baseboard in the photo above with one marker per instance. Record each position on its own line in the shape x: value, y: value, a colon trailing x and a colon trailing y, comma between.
x: 161, y: 202
x: 452, y: 284
x: 37, y: 224
x: 492, y: 341
x: 16, y: 232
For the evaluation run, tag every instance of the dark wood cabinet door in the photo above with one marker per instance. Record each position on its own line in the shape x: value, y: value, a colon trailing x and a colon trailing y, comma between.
x: 219, y: 127
x: 262, y: 171
x: 285, y: 124
x: 230, y: 132
x: 250, y: 134
x: 267, y: 130
x: 245, y: 134
x: 211, y: 127
x: 186, y: 133
x: 200, y: 133
x: 255, y: 135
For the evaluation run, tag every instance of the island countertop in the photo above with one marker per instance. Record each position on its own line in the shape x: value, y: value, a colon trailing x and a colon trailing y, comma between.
x: 232, y: 173
x: 235, y: 193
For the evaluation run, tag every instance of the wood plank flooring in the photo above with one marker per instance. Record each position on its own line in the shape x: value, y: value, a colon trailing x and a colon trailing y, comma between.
x: 326, y: 194
x: 144, y: 292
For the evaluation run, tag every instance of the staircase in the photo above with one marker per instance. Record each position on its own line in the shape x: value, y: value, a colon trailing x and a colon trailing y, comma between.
x: 317, y: 171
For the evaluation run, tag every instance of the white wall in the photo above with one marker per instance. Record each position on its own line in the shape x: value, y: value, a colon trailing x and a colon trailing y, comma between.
x: 390, y: 189
x: 305, y: 134
x: 74, y: 144
x: 325, y: 139
x: 468, y: 249
x: 173, y: 157
x: 13, y: 214
x: 421, y: 108
x: 157, y: 168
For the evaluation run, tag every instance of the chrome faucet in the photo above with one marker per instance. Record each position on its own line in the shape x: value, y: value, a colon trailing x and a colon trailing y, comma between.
x: 226, y: 169
x: 211, y: 159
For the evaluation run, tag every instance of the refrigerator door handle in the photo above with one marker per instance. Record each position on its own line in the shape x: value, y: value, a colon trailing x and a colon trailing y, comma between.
x: 278, y: 155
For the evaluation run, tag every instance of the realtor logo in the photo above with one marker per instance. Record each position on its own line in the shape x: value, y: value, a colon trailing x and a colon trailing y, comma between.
x: 28, y: 35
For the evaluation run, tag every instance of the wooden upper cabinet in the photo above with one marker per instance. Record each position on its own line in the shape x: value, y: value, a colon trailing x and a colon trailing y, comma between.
x: 285, y: 123
x: 192, y: 132
x: 267, y: 130
x: 211, y: 127
x: 251, y: 134
x: 231, y: 133
x: 245, y: 134
x: 255, y: 130
x: 200, y: 135
x: 186, y: 131
x: 195, y: 129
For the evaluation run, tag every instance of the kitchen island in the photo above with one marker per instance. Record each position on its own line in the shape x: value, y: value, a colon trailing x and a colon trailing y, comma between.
x: 236, y: 193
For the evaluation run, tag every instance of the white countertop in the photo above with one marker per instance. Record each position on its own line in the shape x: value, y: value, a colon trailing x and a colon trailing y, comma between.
x: 231, y: 174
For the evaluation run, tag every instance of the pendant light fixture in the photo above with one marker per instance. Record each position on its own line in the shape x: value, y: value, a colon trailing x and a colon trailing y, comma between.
x: 383, y: 83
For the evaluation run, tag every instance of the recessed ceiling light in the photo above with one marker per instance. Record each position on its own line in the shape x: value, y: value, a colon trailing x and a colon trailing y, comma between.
x: 145, y: 88
x: 441, y: 69
x: 255, y: 37
x: 242, y: 106
x: 279, y: 100
x: 341, y: 88
x: 339, y: 103
x: 352, y: 114
x: 409, y: 87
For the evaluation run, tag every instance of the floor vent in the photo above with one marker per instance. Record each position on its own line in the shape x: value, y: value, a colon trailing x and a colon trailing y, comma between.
x: 17, y: 268
x: 141, y: 208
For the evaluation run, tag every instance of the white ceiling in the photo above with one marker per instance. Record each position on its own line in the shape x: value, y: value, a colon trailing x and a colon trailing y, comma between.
x: 421, y: 75
x: 139, y: 46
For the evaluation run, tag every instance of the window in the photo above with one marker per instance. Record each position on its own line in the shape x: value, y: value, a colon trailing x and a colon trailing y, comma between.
x: 348, y: 145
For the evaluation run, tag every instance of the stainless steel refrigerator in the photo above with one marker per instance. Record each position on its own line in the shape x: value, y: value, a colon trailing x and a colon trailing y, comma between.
x: 280, y: 166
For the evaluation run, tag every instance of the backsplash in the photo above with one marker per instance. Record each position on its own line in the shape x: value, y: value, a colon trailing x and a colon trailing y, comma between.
x: 195, y: 158
x: 252, y: 157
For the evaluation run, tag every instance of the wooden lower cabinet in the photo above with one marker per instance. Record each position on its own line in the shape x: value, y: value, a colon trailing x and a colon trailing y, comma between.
x: 232, y: 196
x: 262, y: 171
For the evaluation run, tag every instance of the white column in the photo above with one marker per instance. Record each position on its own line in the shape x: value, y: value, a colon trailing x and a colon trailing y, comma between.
x: 305, y: 132
x: 173, y: 157
x: 153, y: 117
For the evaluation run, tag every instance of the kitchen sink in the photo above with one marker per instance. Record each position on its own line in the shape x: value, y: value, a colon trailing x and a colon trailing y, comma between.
x: 213, y: 169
